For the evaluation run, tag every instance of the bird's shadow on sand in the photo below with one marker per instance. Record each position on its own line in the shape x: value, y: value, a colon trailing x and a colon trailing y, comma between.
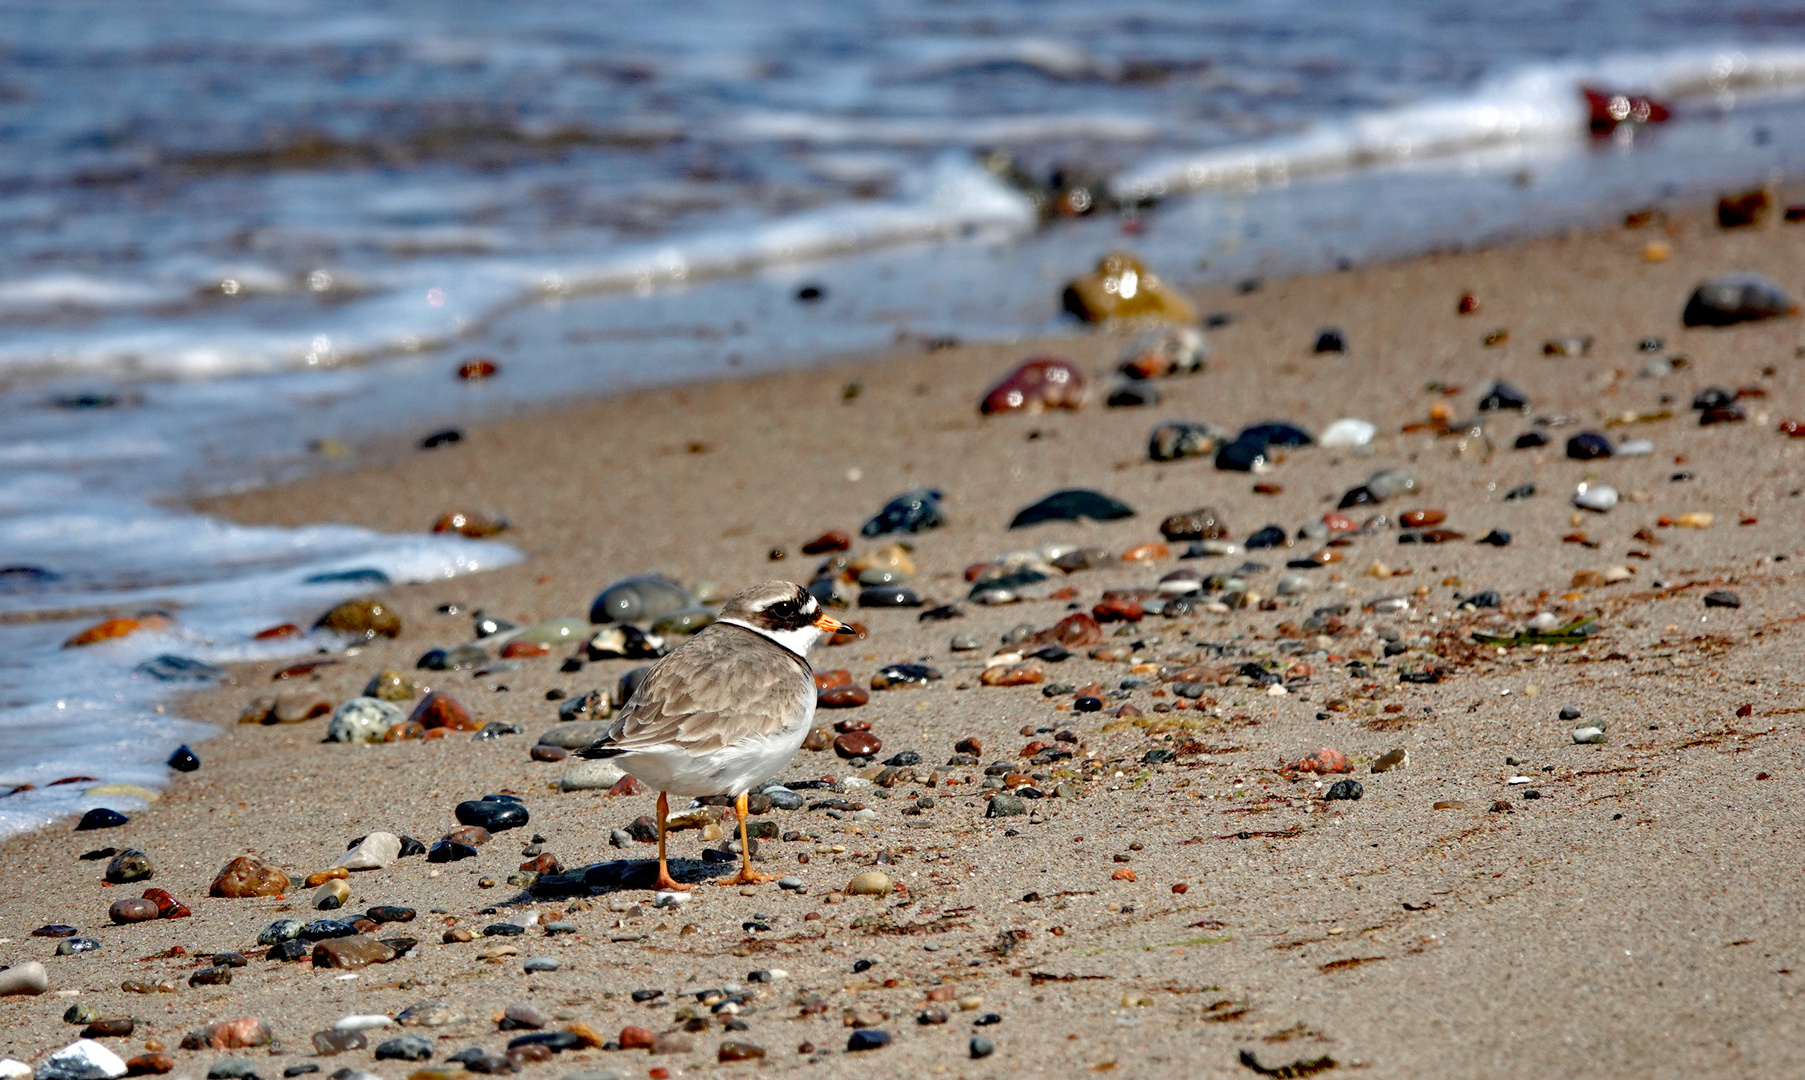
x: 618, y: 876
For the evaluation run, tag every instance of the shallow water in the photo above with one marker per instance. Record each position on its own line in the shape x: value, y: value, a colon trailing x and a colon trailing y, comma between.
x: 234, y: 229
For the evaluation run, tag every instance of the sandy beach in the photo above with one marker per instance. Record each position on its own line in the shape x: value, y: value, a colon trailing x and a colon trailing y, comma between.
x: 1638, y: 917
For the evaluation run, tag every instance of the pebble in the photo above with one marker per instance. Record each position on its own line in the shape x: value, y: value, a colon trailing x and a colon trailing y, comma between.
x: 28, y: 978
x: 390, y: 685
x: 913, y: 511
x: 1132, y: 394
x: 1502, y: 396
x: 247, y: 876
x: 363, y: 720
x: 1347, y: 432
x: 1294, y: 584
x: 1011, y: 675
x: 867, y: 1039
x: 1177, y: 439
x: 364, y: 618
x: 1163, y: 352
x: 362, y: 1022
x: 981, y: 1047
x: 739, y: 1051
x: 1122, y: 287
x: 131, y: 911
x: 338, y: 1041
x: 405, y: 1048
x: 1727, y: 299
x: 331, y: 895
x: 120, y: 1027
x: 100, y: 818
x: 183, y: 760
x: 1345, y: 789
x: 591, y: 775
x: 1722, y: 598
x: 869, y: 883
x: 1393, y: 759
x: 541, y: 963
x: 1329, y: 339
x: 965, y: 642
x: 1242, y: 455
x: 128, y: 866
x: 297, y: 706
x: 830, y: 541
x: 1203, y: 523
x: 493, y: 813
x: 1006, y: 806
x: 1326, y: 760
x: 104, y: 631
x: 1589, y: 733
x: 684, y: 622
x: 83, y: 1059
x: 645, y: 598
x: 1035, y: 385
x: 1588, y: 446
x: 439, y: 709
x: 372, y: 852
x: 1073, y: 504
x: 892, y: 676
x: 351, y: 953
x: 857, y: 743
x: 1595, y: 497
x: 886, y: 596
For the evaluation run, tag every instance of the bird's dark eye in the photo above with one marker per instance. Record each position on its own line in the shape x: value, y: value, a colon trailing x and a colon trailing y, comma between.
x: 784, y: 609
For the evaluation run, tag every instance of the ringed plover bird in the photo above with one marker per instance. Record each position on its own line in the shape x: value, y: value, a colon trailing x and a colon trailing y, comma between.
x: 726, y: 710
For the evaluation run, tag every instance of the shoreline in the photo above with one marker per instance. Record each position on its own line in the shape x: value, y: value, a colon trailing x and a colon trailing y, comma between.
x: 1315, y: 934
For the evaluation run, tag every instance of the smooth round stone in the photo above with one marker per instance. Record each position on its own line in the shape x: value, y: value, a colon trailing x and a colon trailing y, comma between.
x: 28, y: 978
x: 869, y: 883
x: 1727, y: 299
x: 326, y: 930
x: 184, y: 760
x: 405, y: 1048
x: 1347, y: 432
x: 55, y: 930
x: 1269, y: 537
x: 75, y: 945
x: 1329, y: 339
x: 882, y: 575
x: 785, y: 799
x: 542, y: 963
x: 1345, y: 789
x: 1293, y: 584
x: 361, y: 618
x: 591, y: 776
x: 857, y: 744
x: 1595, y: 497
x: 372, y: 852
x: 867, y: 1039
x: 982, y: 1047
x: 1589, y: 445
x: 1242, y: 455
x: 128, y: 866
x: 363, y: 720
x: 1589, y: 733
x: 644, y: 598
x: 248, y: 876
x: 100, y: 818
x: 81, y: 1014
x: 279, y: 931
x: 913, y: 511
x: 1203, y: 523
x: 889, y: 596
x: 495, y: 815
x: 685, y: 621
x: 131, y: 911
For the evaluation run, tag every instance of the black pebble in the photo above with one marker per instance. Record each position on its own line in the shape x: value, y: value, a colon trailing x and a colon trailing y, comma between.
x: 811, y: 292
x: 1217, y: 320
x: 184, y: 760
x: 1722, y: 598
x: 492, y: 812
x: 289, y: 952
x: 940, y: 614
x: 647, y: 995
x: 1133, y: 394
x: 1532, y: 793
x: 1503, y: 396
x: 1529, y: 440
x: 1088, y: 704
x: 867, y: 1039
x: 981, y: 1047
x: 449, y: 851
x: 410, y: 846
x: 1270, y: 536
x: 1496, y: 538
x: 988, y: 1019
x: 503, y: 929
x: 1345, y: 789
x: 1330, y: 340
x: 1569, y: 713
x: 861, y: 966
x: 906, y: 758
x: 1521, y: 491
x: 1159, y: 755
x: 442, y: 438
x: 301, y: 1069
x: 1588, y: 445
x: 572, y: 664
x: 100, y: 818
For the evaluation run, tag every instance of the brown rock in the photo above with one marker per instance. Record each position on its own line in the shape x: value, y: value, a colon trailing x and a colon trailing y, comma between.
x: 541, y: 752
x: 117, y: 1028
x: 626, y: 785
x: 457, y: 935
x: 390, y: 685
x: 469, y: 835
x: 469, y: 523
x: 297, y: 706
x: 857, y: 744
x: 314, y: 881
x: 407, y: 729
x: 248, y: 875
x: 673, y: 1042
x: 817, y: 739
x: 351, y: 953
x: 739, y: 1051
x: 514, y: 650
x: 1073, y: 630
x: 1416, y: 519
x: 257, y: 710
x: 544, y: 864
x: 149, y: 1065
x: 130, y: 911
x: 477, y: 368
x: 827, y: 680
x: 1122, y: 288
x: 843, y: 697
x: 591, y: 1039
x: 237, y: 1034
x: 104, y: 631
x: 1035, y: 385
x: 1119, y: 609
x: 969, y: 745
x: 364, y: 618
x: 636, y: 1038
x: 1144, y: 553
x: 1124, y: 874
x: 832, y: 540
x: 211, y: 976
x: 439, y: 709
x: 1011, y: 675
x: 1203, y: 523
x: 167, y: 907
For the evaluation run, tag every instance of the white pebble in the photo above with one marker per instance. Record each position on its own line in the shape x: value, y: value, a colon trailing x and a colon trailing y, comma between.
x: 26, y: 978
x: 1634, y: 448
x: 362, y: 1022
x: 1542, y: 622
x: 83, y: 1059
x: 14, y: 1069
x: 668, y: 899
x: 1598, y: 497
x: 1588, y: 734
x: 1348, y: 432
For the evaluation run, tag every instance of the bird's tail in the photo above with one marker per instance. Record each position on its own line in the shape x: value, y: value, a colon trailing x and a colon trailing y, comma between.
x: 601, y: 748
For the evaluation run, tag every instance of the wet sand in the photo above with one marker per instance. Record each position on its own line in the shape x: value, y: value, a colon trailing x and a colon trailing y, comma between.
x: 1638, y: 919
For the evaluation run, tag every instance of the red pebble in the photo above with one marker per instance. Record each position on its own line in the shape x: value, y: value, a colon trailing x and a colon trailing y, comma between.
x: 1792, y: 429
x: 1075, y: 629
x: 626, y: 785
x: 544, y: 864
x: 636, y: 1038
x: 287, y: 629
x: 843, y: 726
x: 477, y: 367
x: 857, y: 744
x: 827, y: 680
x: 832, y: 540
x: 1121, y: 609
x: 1032, y: 748
x: 515, y: 649
x: 843, y: 697
x: 440, y: 710
x: 1326, y: 760
x: 1044, y: 382
x: 1181, y: 888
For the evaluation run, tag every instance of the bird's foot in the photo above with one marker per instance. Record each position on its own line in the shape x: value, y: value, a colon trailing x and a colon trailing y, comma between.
x: 747, y: 876
x: 666, y: 881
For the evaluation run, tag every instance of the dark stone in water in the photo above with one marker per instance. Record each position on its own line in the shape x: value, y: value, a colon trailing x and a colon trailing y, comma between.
x: 184, y: 760
x: 1728, y: 299
x: 1242, y: 455
x: 1588, y: 445
x: 1270, y: 536
x: 172, y: 668
x: 367, y: 575
x: 448, y: 437
x: 1496, y: 538
x: 911, y: 512
x: 492, y: 813
x: 881, y: 596
x: 100, y: 818
x: 1177, y: 439
x: 644, y: 598
x: 1330, y: 340
x: 1133, y: 394
x: 1072, y: 504
x: 1529, y: 440
x: 1502, y: 396
x: 1276, y: 433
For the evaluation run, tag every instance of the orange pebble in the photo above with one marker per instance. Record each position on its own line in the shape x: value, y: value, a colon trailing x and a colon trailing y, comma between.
x: 104, y: 631
x: 1124, y: 874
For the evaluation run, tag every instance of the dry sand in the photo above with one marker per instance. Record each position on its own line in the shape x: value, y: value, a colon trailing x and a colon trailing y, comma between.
x: 1640, y: 919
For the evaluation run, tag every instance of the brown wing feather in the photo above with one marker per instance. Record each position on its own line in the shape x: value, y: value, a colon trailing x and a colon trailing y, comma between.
x: 705, y: 695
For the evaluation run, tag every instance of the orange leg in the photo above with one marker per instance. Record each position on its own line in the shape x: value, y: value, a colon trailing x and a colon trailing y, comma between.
x: 665, y: 880
x: 747, y: 875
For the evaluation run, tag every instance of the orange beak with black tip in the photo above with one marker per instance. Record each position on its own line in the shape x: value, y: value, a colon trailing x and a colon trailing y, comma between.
x: 828, y: 624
